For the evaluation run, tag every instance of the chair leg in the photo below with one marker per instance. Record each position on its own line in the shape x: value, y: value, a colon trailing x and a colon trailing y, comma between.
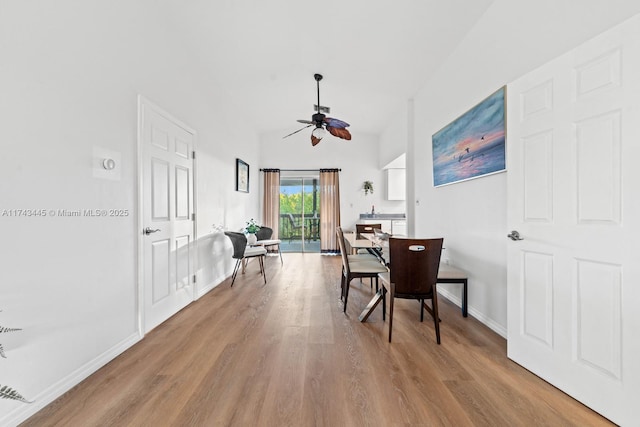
x: 384, y: 302
x: 235, y: 271
x: 422, y: 309
x: 346, y: 293
x: 391, y: 298
x: 436, y: 317
x: 264, y: 273
x: 280, y: 253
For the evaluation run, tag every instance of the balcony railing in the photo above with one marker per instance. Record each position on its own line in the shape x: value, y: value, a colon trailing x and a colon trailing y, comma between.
x: 298, y: 226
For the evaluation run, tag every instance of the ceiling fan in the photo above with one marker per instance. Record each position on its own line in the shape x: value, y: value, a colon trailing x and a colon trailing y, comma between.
x: 335, y: 127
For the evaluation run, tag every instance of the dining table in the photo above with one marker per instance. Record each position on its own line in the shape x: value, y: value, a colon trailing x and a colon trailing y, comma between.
x: 355, y: 243
x: 378, y: 244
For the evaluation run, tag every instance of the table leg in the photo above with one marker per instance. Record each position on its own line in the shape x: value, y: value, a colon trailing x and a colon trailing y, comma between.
x: 464, y: 292
x: 372, y: 305
x: 464, y: 298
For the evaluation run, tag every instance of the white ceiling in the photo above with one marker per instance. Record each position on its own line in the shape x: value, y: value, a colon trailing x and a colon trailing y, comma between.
x: 373, y: 54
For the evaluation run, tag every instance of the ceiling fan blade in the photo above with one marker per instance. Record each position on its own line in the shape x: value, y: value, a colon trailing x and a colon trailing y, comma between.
x: 292, y: 133
x: 339, y: 132
x: 314, y: 140
x: 335, y: 123
x: 306, y: 122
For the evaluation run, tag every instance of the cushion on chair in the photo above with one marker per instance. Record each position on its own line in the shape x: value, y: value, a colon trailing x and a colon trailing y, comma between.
x: 268, y: 242
x: 367, y: 267
x: 362, y: 257
x: 254, y: 251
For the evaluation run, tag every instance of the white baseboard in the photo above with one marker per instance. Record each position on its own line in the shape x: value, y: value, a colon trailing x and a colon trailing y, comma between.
x: 23, y: 412
x: 488, y: 322
x: 208, y: 287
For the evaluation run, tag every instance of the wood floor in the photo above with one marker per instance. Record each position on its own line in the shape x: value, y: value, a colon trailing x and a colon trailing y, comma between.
x: 284, y: 354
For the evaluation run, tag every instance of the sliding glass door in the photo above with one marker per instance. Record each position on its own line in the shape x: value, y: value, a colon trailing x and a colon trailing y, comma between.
x: 299, y: 214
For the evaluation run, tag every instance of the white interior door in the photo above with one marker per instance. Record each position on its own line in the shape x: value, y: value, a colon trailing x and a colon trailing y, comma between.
x: 167, y: 224
x: 573, y: 195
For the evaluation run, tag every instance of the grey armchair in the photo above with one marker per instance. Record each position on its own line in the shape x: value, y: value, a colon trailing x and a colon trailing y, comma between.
x: 242, y: 252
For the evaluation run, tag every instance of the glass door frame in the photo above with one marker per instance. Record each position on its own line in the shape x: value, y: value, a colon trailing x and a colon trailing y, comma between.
x: 309, y: 225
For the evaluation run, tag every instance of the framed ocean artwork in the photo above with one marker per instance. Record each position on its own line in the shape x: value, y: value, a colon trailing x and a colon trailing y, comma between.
x: 473, y: 145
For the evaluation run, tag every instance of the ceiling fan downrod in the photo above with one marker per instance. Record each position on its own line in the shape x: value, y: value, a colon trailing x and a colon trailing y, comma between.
x: 318, y: 117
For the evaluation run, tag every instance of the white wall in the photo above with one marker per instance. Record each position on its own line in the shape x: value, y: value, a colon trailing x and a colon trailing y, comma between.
x: 357, y: 158
x: 70, y: 74
x: 393, y: 140
x: 509, y: 40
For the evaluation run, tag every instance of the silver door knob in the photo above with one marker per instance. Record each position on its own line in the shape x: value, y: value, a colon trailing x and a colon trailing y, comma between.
x: 514, y: 235
x: 148, y: 231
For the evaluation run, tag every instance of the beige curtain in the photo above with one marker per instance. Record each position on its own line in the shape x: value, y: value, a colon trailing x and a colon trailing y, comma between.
x: 329, y: 210
x: 271, y: 202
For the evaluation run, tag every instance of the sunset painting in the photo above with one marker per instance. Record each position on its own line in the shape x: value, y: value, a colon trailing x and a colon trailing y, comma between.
x: 473, y: 145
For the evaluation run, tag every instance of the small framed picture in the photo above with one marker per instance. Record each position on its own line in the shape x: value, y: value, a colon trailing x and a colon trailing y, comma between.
x: 242, y: 176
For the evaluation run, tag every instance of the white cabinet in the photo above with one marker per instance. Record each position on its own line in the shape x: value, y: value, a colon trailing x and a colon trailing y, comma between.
x: 396, y: 184
x: 399, y: 227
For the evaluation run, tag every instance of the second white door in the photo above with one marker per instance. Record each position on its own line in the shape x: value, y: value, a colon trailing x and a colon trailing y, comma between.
x: 167, y: 214
x: 573, y: 196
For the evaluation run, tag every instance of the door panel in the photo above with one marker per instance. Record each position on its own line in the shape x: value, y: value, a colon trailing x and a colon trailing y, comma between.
x: 160, y: 258
x: 599, y: 319
x: 182, y: 193
x: 183, y: 261
x: 537, y: 297
x: 167, y: 207
x: 574, y: 281
x: 159, y: 189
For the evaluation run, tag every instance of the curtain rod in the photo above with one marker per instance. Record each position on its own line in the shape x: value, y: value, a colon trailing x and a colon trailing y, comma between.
x: 299, y: 170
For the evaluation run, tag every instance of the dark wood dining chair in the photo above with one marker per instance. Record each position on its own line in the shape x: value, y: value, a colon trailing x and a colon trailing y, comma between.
x: 354, y: 266
x: 413, y: 273
x: 366, y: 228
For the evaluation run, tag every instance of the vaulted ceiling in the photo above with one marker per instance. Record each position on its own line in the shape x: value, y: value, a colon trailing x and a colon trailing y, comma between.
x: 374, y: 54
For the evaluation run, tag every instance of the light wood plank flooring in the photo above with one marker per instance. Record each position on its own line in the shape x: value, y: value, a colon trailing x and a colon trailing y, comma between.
x: 284, y: 354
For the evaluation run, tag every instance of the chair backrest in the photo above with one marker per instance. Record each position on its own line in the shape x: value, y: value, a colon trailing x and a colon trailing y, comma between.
x: 414, y: 265
x: 239, y: 242
x: 343, y: 251
x: 366, y: 228
x: 264, y: 233
x: 291, y: 220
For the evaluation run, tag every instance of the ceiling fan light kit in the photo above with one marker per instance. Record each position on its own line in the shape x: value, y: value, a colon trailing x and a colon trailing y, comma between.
x: 322, y: 123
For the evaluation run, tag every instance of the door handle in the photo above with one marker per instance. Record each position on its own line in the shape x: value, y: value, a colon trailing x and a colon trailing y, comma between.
x: 148, y: 231
x: 514, y: 235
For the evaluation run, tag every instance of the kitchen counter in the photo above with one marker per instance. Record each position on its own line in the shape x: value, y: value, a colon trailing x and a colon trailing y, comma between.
x: 393, y: 223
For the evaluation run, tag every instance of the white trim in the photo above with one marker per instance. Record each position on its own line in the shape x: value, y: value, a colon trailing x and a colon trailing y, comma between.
x: 142, y: 101
x: 211, y: 285
x: 50, y: 394
x: 488, y: 322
